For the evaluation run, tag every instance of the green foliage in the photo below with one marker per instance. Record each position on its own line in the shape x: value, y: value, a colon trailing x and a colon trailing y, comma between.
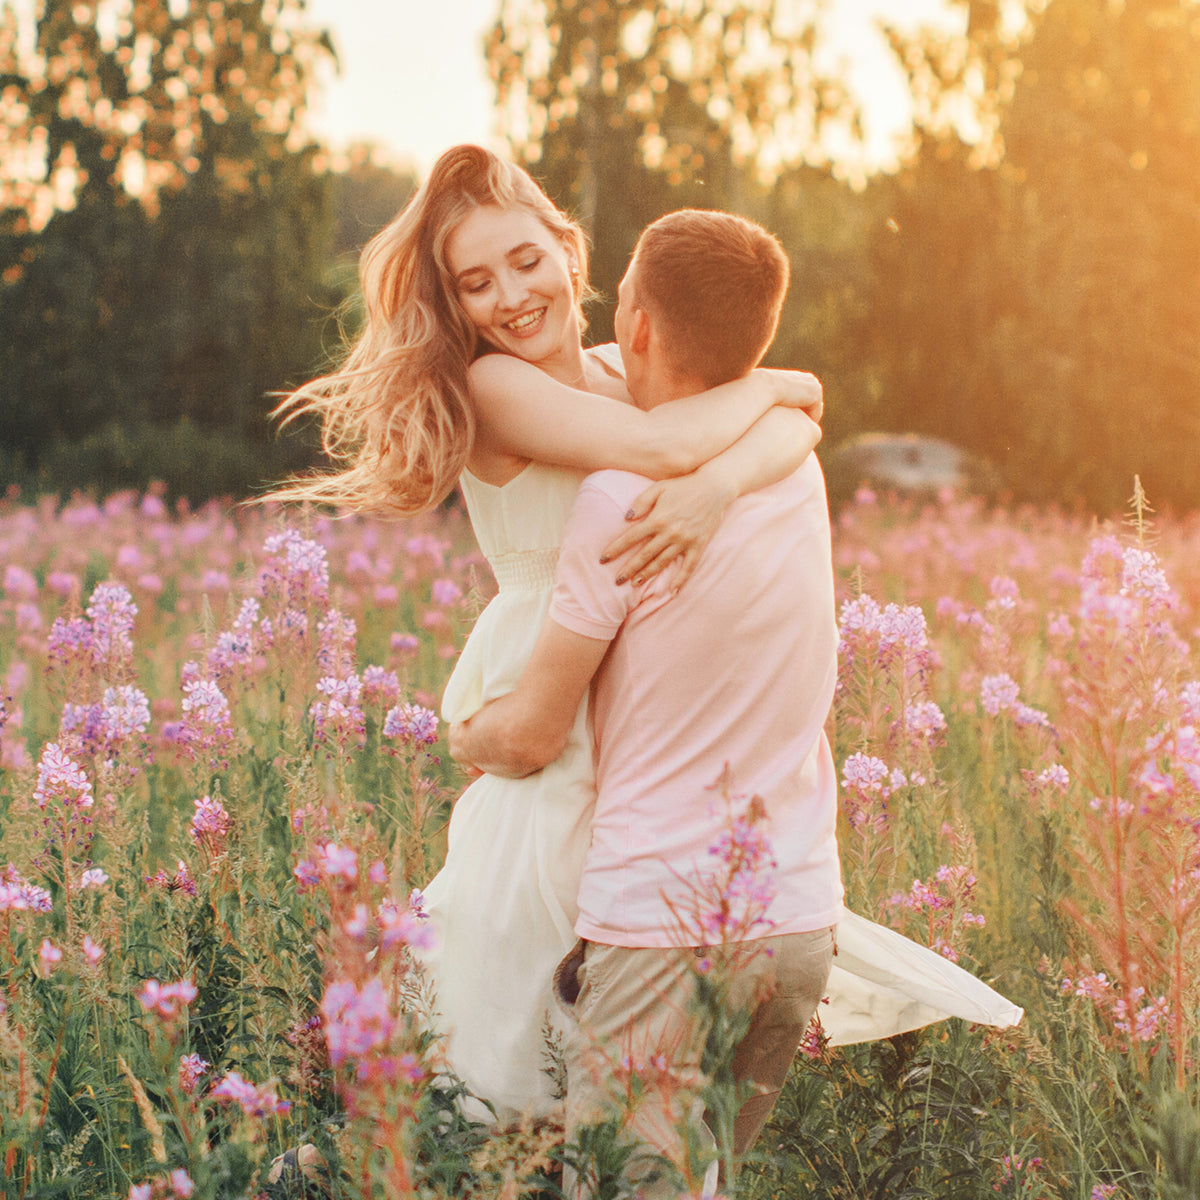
x: 1043, y: 310
x: 182, y: 275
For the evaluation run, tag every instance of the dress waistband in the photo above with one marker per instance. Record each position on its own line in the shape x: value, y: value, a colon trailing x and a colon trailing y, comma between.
x: 527, y: 570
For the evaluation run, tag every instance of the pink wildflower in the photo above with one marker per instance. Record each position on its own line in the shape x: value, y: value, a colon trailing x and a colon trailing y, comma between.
x: 380, y: 686
x: 61, y: 781
x: 356, y: 1022
x: 998, y: 693
x: 167, y: 1000
x: 91, y: 951
x: 111, y: 611
x: 16, y: 895
x: 445, y: 592
x: 404, y: 643
x: 191, y: 1069
x: 181, y: 881
x: 210, y: 824
x: 48, y: 955
x: 255, y: 1100
x: 411, y: 724
x: 181, y: 1184
x: 338, y: 862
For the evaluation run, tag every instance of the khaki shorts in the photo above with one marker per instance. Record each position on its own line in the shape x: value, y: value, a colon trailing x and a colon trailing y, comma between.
x: 635, y: 1049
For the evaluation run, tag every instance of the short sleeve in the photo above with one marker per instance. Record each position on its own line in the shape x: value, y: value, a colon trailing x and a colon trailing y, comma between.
x: 586, y: 597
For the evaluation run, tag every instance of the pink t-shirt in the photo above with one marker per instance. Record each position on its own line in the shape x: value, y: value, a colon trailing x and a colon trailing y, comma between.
x: 736, y: 672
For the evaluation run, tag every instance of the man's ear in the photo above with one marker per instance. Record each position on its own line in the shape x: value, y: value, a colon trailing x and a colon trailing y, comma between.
x: 639, y: 333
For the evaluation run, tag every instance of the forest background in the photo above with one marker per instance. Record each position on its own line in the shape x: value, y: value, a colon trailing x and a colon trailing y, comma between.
x: 175, y: 245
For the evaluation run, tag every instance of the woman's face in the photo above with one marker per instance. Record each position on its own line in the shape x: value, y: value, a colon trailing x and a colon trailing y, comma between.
x: 512, y: 277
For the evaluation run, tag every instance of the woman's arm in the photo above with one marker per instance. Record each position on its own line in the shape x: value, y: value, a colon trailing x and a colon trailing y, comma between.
x: 522, y: 411
x: 675, y: 519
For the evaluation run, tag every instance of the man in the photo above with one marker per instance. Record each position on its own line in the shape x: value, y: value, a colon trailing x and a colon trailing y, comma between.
x: 708, y: 709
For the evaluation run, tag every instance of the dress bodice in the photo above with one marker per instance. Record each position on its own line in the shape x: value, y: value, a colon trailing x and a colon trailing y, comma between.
x: 519, y: 526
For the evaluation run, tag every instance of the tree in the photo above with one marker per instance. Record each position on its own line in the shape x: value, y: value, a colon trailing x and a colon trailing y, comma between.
x: 1045, y: 307
x: 164, y: 234
x: 627, y: 110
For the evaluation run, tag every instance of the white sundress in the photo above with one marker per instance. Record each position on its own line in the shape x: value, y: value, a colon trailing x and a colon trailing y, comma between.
x: 503, y: 905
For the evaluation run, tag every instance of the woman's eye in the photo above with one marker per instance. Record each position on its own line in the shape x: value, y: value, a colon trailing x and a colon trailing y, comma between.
x: 473, y: 289
x: 529, y: 265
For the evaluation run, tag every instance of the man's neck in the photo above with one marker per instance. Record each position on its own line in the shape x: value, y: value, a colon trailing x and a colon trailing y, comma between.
x: 665, y: 386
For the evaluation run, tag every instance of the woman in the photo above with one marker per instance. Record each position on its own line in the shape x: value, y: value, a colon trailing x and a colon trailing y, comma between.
x: 470, y: 369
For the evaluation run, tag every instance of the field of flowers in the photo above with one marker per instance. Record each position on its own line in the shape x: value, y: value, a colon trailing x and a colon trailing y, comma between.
x: 223, y: 778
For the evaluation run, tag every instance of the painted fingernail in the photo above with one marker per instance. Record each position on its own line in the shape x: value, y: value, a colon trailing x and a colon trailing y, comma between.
x: 637, y: 583
x: 629, y: 514
x: 604, y: 558
x: 620, y: 580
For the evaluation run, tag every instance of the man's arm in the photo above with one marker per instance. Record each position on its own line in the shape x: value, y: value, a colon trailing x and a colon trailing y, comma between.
x: 519, y: 733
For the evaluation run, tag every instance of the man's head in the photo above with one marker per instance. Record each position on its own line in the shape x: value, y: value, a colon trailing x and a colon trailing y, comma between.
x: 705, y: 290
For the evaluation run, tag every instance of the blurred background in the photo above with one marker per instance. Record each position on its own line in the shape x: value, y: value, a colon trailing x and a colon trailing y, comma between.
x: 992, y: 208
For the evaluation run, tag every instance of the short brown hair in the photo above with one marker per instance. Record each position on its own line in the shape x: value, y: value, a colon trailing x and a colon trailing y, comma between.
x: 715, y: 284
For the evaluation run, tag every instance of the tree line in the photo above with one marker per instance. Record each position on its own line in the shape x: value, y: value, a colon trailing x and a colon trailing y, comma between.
x: 1026, y: 284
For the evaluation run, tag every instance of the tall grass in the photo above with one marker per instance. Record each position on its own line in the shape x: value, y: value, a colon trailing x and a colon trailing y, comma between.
x: 222, y: 780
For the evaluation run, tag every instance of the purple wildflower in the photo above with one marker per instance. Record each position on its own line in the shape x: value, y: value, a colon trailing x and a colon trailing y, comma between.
x: 411, y: 724
x: 356, y: 1022
x: 255, y: 1100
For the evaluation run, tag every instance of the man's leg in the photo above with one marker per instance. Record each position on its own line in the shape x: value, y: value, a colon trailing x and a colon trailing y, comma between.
x: 635, y: 1055
x: 785, y: 987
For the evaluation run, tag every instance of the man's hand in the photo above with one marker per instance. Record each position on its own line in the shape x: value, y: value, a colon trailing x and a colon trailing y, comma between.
x: 458, y: 739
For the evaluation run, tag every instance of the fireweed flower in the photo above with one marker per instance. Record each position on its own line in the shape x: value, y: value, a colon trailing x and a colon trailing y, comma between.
x: 998, y: 693
x: 192, y: 1068
x: 337, y: 862
x: 19, y: 584
x: 210, y: 824
x: 17, y: 895
x: 234, y: 648
x: 380, y: 686
x: 925, y: 720
x: 181, y: 1184
x: 411, y: 724
x: 181, y: 881
x: 205, y: 728
x: 61, y: 782
x: 91, y: 951
x: 445, y: 592
x: 298, y: 571
x: 883, y: 634
x: 867, y: 782
x: 339, y: 718
x: 48, y: 956
x: 336, y: 643
x: 255, y: 1100
x: 167, y: 1000
x: 404, y: 643
x: 1142, y: 576
x: 111, y: 611
x: 70, y: 641
x: 405, y: 927
x: 356, y: 1022
x: 93, y: 877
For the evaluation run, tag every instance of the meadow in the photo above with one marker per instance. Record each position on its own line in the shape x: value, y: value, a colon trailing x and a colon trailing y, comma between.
x: 223, y: 783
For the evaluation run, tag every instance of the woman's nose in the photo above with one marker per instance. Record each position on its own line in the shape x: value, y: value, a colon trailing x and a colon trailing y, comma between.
x: 512, y: 290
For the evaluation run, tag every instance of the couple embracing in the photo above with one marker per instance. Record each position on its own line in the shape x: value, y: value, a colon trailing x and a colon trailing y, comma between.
x: 620, y: 725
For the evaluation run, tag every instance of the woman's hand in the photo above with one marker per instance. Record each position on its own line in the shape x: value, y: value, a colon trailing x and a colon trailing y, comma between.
x: 797, y: 389
x: 671, y: 523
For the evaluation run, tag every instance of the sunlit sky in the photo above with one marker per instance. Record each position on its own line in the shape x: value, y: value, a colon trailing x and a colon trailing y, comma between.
x: 413, y: 79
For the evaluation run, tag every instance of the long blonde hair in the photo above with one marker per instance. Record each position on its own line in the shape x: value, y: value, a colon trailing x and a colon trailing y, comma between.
x: 397, y: 411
